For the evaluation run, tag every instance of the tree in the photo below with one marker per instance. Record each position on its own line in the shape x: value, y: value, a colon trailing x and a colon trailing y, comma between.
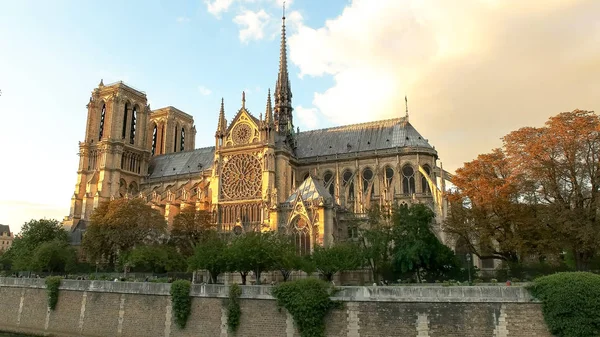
x: 155, y: 258
x: 286, y: 257
x: 189, y: 227
x: 560, y: 164
x: 489, y: 212
x: 33, y: 234
x: 210, y: 254
x: 340, y: 257
x: 54, y: 256
x: 416, y: 248
x: 376, y: 243
x: 253, y: 251
x: 119, y: 225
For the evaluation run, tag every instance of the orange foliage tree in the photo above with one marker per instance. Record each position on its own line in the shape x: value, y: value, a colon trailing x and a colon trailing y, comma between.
x: 539, y: 194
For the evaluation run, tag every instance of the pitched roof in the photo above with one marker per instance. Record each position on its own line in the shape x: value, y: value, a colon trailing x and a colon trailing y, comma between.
x: 178, y: 163
x: 378, y: 135
x: 4, y: 229
x: 310, y: 190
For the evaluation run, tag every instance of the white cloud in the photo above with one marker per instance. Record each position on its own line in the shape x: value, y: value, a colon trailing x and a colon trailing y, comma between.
x: 216, y: 7
x: 473, y: 70
x: 307, y: 116
x: 182, y: 19
x: 204, y: 91
x: 252, y: 24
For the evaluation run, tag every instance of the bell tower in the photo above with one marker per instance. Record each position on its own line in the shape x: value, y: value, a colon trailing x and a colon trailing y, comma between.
x: 113, y: 158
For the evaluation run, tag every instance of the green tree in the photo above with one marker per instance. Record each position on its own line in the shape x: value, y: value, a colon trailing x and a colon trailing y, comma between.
x: 416, y: 248
x: 210, y: 254
x: 286, y: 257
x: 155, y: 258
x: 337, y: 258
x: 376, y: 243
x: 189, y: 227
x: 33, y: 234
x: 54, y: 256
x: 252, y: 251
x: 119, y: 225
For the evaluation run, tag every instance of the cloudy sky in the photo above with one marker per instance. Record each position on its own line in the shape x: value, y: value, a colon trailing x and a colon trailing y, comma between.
x: 473, y: 70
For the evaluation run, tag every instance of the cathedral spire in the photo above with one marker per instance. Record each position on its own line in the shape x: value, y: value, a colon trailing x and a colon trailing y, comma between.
x: 222, y: 126
x: 269, y: 110
x: 406, y: 104
x: 283, y: 90
x: 243, y: 99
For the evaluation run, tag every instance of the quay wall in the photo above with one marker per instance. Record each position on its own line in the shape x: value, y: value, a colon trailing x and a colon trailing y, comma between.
x: 109, y: 309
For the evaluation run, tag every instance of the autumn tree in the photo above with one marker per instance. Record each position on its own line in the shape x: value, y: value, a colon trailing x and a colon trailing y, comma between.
x: 488, y: 211
x: 560, y: 165
x: 189, y: 227
x: 119, y: 225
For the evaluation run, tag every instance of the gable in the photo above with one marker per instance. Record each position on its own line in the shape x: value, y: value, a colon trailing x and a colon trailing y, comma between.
x: 243, y: 130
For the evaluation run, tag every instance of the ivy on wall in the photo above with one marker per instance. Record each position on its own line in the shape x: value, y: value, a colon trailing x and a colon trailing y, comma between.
x: 52, y: 284
x: 308, y: 301
x: 181, y: 302
x: 570, y: 303
x: 233, y: 307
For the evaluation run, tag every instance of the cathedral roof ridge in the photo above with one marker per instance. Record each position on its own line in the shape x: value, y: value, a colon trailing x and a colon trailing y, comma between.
x: 381, y: 122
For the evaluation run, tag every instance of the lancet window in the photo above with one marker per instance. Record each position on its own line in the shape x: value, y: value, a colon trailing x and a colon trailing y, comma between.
x: 424, y: 182
x: 301, y: 235
x: 408, y: 180
x: 154, y: 134
x: 175, y: 138
x: 182, y: 140
x: 102, y: 115
x: 133, y: 126
x: 329, y: 182
x: 124, y: 129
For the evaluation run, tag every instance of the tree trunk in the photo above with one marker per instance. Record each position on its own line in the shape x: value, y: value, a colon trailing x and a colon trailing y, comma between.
x: 257, y: 272
x: 243, y: 274
x: 286, y: 274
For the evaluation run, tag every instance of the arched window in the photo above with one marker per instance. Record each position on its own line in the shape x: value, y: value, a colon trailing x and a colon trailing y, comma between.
x: 122, y: 188
x: 182, y: 141
x: 162, y: 139
x: 301, y: 234
x: 124, y: 128
x: 133, y: 119
x: 329, y: 182
x: 348, y: 178
x: 408, y: 180
x: 102, y: 115
x: 389, y: 176
x: 424, y: 182
x: 154, y: 134
x: 175, y: 138
x: 367, y: 177
x: 133, y: 188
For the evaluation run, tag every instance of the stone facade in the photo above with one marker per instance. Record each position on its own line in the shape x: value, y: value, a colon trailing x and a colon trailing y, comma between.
x: 107, y: 309
x: 261, y: 174
x: 6, y: 237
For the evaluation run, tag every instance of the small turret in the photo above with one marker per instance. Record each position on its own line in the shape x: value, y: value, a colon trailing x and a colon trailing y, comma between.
x: 269, y: 111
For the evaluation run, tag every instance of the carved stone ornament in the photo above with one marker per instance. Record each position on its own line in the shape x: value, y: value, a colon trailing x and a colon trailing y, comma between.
x: 241, y: 134
x: 242, y: 177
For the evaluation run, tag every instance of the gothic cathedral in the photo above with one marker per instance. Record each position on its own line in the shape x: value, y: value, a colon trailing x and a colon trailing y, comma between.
x: 261, y: 174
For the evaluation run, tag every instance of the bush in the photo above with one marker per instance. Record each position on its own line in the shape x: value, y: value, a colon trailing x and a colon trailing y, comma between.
x: 570, y: 303
x: 52, y: 284
x: 233, y: 307
x: 308, y: 302
x: 181, y: 302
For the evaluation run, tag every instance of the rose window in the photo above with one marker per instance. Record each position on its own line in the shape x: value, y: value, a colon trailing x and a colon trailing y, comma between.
x: 242, y: 133
x: 242, y: 177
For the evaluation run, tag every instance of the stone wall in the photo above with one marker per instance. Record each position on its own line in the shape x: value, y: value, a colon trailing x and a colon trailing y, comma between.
x: 108, y: 309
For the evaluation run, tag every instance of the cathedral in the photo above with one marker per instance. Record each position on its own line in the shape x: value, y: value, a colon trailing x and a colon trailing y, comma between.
x: 261, y: 174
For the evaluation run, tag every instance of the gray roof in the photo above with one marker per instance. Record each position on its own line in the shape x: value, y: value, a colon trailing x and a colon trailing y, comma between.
x: 4, y: 229
x: 310, y: 190
x: 179, y: 163
x: 378, y: 135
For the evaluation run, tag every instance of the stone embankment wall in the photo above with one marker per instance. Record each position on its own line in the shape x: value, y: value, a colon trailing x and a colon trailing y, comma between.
x: 109, y: 309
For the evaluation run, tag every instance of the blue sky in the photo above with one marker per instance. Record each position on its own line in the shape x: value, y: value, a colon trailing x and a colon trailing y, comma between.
x: 473, y: 70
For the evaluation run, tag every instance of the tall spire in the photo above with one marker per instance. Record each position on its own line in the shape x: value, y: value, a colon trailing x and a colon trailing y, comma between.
x: 283, y: 90
x: 243, y: 99
x: 269, y: 110
x: 406, y: 104
x: 222, y: 126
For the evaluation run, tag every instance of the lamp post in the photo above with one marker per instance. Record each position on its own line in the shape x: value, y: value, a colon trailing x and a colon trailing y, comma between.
x: 469, y: 266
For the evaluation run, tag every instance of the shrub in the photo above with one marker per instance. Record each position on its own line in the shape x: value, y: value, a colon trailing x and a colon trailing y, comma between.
x: 233, y: 307
x: 52, y: 284
x: 570, y: 303
x: 308, y: 302
x: 181, y: 302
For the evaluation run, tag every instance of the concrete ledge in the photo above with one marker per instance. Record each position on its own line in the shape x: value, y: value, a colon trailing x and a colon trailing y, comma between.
x: 458, y: 294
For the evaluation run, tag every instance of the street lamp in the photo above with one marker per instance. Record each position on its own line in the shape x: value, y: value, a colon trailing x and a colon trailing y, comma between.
x: 469, y: 266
